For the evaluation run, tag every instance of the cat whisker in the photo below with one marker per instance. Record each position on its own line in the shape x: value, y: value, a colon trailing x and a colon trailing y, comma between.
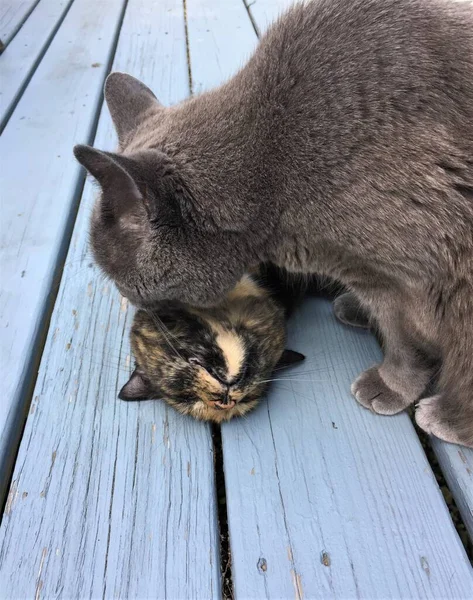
x: 300, y: 380
x: 166, y: 333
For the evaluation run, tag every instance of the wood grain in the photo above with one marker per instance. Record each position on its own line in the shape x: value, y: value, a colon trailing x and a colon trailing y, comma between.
x: 221, y: 39
x: 19, y: 60
x: 333, y: 500
x: 264, y: 12
x: 40, y: 185
x: 457, y: 465
x: 110, y: 499
x: 13, y: 14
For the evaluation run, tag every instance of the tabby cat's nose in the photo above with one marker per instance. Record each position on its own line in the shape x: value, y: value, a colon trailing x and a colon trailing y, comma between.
x: 225, y: 404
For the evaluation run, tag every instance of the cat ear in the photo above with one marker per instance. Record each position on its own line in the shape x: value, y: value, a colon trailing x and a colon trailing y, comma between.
x: 137, y: 388
x: 117, y: 185
x: 128, y: 100
x: 289, y: 358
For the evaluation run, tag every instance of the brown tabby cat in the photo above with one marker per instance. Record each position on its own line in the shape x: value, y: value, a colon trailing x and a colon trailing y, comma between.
x: 344, y: 147
x: 214, y: 363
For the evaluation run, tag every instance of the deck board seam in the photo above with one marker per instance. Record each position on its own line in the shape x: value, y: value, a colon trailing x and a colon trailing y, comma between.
x: 20, y: 24
x: 35, y: 65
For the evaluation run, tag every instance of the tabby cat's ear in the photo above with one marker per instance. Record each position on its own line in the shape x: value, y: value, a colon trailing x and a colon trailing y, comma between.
x: 288, y: 358
x: 128, y: 100
x: 118, y: 187
x: 137, y: 388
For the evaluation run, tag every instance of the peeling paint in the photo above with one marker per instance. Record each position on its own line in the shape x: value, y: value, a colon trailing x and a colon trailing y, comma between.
x: 12, y: 496
x: 166, y: 432
x: 325, y: 558
x: 425, y: 565
x: 262, y: 565
x: 297, y: 582
x: 153, y: 433
x: 39, y: 582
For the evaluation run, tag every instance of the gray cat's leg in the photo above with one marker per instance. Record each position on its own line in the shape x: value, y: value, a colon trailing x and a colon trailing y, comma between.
x: 404, y: 374
x: 349, y: 311
x: 449, y: 414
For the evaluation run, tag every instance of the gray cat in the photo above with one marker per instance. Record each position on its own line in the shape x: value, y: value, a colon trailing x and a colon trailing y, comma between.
x: 343, y: 147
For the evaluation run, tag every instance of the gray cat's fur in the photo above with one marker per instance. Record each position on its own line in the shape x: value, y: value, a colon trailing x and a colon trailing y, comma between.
x: 343, y: 147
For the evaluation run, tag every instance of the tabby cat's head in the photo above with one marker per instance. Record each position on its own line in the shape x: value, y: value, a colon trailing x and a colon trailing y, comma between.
x: 212, y: 364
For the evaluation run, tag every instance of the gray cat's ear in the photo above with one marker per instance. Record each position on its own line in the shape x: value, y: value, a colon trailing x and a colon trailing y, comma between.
x: 137, y: 388
x: 117, y: 184
x: 289, y: 358
x: 128, y: 100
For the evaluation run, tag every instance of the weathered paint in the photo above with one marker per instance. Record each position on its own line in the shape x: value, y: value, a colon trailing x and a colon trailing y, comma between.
x: 109, y: 498
x: 20, y: 58
x: 13, y: 14
x: 40, y: 184
x: 324, y: 498
x: 113, y: 499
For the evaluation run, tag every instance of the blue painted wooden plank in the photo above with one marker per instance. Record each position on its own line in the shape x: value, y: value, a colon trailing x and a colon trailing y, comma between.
x: 264, y: 12
x: 13, y: 14
x: 40, y: 186
x: 110, y: 499
x: 224, y: 33
x: 457, y: 465
x: 19, y: 60
x: 327, y: 500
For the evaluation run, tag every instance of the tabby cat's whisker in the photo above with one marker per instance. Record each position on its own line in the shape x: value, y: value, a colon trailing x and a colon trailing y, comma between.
x: 292, y: 379
x: 165, y: 331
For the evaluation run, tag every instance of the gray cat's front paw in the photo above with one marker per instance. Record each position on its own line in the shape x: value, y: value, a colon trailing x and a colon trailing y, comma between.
x: 430, y: 417
x: 349, y: 311
x: 371, y: 392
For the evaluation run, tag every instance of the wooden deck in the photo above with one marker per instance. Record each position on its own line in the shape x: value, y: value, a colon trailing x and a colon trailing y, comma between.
x: 109, y: 499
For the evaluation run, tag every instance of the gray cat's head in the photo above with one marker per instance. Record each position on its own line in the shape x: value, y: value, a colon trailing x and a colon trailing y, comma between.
x: 147, y: 233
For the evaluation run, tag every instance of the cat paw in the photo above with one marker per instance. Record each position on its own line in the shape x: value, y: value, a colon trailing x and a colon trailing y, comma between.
x: 429, y: 416
x: 349, y: 311
x: 371, y: 392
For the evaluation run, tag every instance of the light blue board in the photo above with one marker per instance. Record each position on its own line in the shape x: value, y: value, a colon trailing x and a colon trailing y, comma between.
x: 19, y: 60
x: 264, y: 12
x: 40, y: 184
x: 12, y: 15
x: 325, y: 499
x: 221, y: 31
x: 457, y: 466
x: 110, y: 499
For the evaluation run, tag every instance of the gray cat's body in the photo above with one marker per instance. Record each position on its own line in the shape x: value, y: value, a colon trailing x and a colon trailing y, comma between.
x: 343, y: 147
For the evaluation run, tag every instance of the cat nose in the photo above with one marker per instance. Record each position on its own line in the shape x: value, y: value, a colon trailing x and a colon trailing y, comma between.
x: 225, y: 404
